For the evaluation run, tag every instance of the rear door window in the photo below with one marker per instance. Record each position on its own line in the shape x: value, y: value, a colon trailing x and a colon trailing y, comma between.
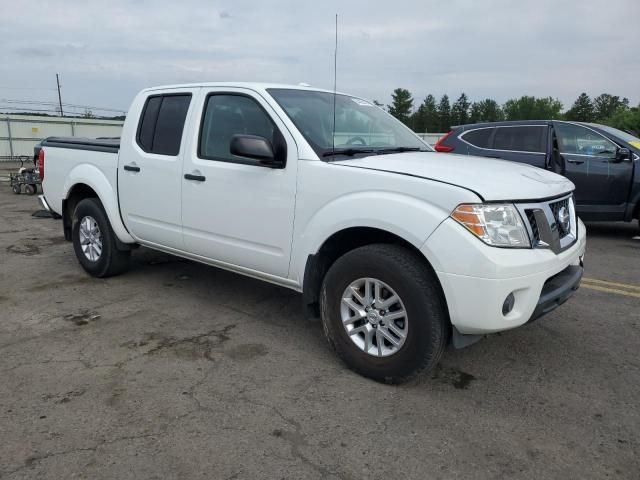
x: 148, y: 123
x: 162, y: 123
x: 531, y: 138
x: 478, y: 138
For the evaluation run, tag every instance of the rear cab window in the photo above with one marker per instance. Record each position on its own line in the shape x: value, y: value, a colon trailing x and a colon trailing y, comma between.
x: 162, y: 123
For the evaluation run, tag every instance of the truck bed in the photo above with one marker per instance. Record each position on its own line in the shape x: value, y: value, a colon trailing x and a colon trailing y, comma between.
x: 111, y: 145
x: 90, y: 161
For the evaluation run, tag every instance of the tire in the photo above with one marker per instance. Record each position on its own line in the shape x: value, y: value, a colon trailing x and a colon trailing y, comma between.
x: 17, y: 189
x: 30, y: 189
x: 405, y: 274
x: 109, y: 260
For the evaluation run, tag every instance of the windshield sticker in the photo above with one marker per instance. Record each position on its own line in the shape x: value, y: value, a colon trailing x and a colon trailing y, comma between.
x: 362, y: 103
x: 635, y: 144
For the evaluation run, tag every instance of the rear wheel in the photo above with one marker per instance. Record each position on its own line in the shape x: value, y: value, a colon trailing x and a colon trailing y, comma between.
x: 94, y: 241
x: 17, y: 189
x: 30, y: 189
x: 383, y: 312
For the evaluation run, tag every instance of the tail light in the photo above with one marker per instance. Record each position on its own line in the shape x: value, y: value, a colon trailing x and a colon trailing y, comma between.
x: 439, y: 147
x: 41, y: 163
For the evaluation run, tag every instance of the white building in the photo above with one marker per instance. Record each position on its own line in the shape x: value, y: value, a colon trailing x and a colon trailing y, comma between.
x: 19, y: 133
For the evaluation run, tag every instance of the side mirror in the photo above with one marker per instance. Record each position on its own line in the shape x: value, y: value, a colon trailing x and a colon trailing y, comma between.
x: 623, y: 154
x: 255, y: 147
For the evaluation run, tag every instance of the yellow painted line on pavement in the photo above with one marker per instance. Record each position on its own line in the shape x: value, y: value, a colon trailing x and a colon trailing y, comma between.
x: 626, y: 286
x: 610, y: 290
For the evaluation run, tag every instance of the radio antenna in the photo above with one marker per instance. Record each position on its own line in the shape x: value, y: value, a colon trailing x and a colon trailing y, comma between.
x: 335, y: 75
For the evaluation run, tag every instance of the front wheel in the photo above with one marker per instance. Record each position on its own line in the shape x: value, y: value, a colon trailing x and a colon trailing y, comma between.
x: 94, y: 241
x: 383, y: 312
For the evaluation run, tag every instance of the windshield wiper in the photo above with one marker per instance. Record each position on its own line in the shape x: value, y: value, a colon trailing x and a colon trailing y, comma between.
x: 382, y: 151
x: 350, y: 152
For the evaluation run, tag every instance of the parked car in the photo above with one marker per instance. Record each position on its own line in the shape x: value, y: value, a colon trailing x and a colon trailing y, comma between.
x: 601, y: 161
x: 398, y: 251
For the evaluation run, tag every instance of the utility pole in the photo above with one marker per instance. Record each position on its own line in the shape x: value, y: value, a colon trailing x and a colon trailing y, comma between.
x: 59, y: 96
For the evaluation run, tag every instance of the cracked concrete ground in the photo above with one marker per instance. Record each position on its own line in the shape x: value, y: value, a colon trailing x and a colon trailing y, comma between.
x: 178, y: 370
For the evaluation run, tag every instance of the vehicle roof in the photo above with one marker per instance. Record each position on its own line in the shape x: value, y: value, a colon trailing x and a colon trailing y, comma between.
x: 248, y: 85
x: 514, y: 123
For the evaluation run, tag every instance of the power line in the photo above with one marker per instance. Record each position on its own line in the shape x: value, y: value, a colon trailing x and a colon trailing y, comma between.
x: 21, y: 109
x: 7, y: 87
x: 69, y: 105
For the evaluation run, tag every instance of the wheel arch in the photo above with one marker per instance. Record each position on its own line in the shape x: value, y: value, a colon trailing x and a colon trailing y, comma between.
x: 87, y: 181
x: 341, y: 242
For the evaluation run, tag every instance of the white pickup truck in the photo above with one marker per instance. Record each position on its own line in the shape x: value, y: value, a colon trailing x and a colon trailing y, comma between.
x: 399, y: 250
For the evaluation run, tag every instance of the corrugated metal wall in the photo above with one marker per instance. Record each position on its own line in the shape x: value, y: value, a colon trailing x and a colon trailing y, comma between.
x: 19, y: 133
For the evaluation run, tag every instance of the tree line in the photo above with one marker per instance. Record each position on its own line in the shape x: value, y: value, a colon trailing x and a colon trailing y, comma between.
x: 440, y: 115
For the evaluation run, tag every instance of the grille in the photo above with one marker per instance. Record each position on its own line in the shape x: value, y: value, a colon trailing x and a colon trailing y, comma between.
x: 531, y: 218
x: 544, y: 223
x: 555, y: 210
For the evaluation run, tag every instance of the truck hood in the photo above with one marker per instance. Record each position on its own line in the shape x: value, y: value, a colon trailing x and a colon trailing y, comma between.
x: 490, y: 179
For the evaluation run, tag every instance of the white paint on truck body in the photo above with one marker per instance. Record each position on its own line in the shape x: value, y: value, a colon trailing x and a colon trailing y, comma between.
x: 266, y: 222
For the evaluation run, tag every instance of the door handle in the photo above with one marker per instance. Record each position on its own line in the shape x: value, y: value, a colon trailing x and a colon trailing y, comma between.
x: 576, y: 162
x: 197, y: 178
x: 131, y: 168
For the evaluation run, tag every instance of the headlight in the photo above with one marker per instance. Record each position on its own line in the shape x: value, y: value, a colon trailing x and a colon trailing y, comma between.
x: 497, y: 225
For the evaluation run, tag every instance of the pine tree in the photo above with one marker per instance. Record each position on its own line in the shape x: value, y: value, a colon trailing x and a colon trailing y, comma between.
x: 460, y: 110
x: 444, y: 114
x: 417, y: 120
x: 425, y: 119
x: 401, y: 105
x: 431, y: 119
x: 475, y: 114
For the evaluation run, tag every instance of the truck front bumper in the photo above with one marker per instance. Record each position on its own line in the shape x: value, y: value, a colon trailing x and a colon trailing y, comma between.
x: 557, y: 290
x: 478, y: 279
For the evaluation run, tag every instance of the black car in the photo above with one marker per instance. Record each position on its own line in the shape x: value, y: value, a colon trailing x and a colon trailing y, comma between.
x: 601, y: 161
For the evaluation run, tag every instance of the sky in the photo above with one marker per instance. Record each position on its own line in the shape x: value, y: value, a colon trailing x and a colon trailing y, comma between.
x: 106, y: 51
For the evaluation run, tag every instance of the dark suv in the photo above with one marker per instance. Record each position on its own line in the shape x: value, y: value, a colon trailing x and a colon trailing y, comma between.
x: 601, y: 161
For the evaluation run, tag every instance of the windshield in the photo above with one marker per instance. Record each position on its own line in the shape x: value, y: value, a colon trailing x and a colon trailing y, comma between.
x: 624, y: 136
x: 361, y: 127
